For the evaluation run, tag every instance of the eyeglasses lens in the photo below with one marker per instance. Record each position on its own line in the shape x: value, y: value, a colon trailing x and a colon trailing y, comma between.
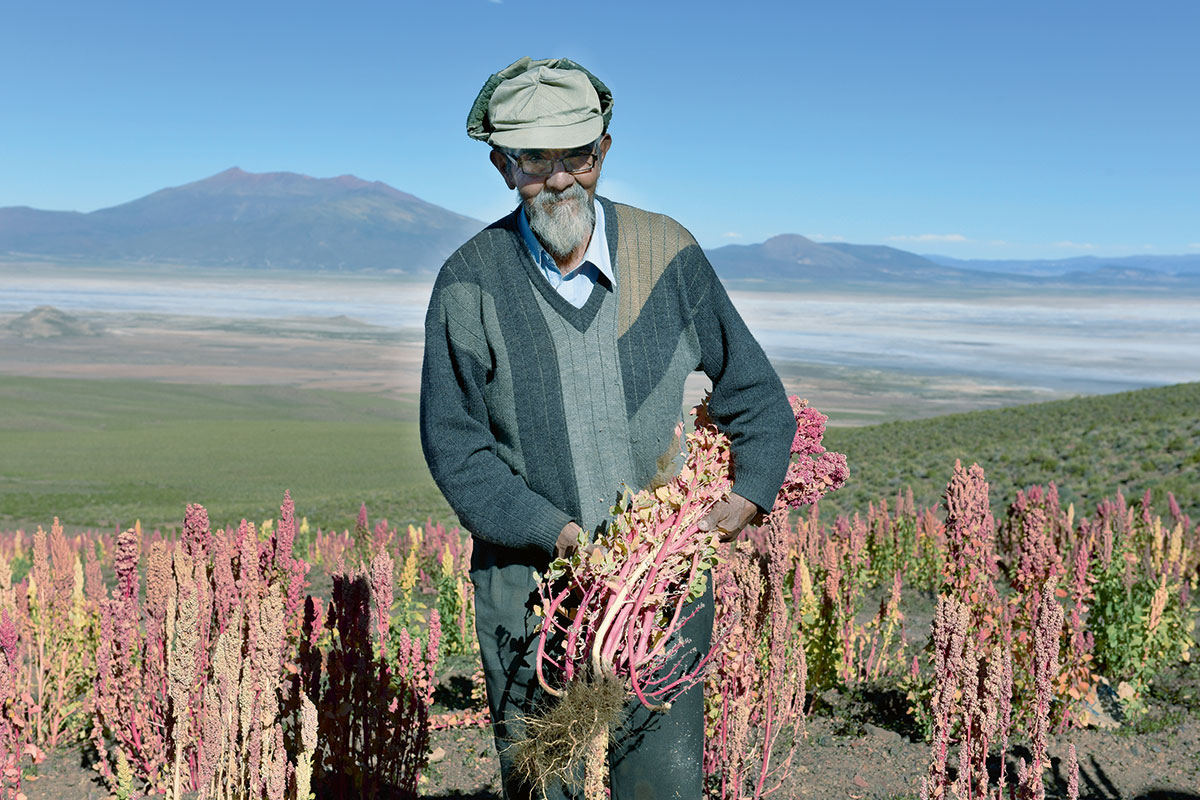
x: 541, y: 166
x: 580, y: 162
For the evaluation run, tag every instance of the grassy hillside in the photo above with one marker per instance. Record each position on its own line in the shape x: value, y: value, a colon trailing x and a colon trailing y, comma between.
x: 103, y: 453
x: 1090, y: 447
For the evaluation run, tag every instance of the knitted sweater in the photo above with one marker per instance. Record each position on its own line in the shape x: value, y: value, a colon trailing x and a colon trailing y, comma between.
x: 535, y: 413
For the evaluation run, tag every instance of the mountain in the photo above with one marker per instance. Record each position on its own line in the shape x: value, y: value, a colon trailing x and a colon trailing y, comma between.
x: 1178, y: 265
x: 47, y: 322
x: 794, y: 258
x: 241, y: 219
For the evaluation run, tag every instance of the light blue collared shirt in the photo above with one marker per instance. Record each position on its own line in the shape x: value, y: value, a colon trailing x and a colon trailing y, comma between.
x: 576, y: 286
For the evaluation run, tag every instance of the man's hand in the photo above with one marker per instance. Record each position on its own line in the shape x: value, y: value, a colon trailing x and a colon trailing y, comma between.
x: 729, y: 517
x: 568, y: 542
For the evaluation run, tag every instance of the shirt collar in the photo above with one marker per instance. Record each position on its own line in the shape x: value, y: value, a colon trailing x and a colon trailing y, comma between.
x: 596, y: 253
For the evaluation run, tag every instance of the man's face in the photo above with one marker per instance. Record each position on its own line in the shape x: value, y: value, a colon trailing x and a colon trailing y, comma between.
x: 558, y: 205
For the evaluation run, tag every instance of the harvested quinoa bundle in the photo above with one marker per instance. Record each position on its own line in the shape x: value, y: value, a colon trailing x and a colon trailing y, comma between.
x: 611, y: 614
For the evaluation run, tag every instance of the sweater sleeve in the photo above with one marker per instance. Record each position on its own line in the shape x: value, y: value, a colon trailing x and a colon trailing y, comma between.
x: 748, y: 401
x: 492, y: 502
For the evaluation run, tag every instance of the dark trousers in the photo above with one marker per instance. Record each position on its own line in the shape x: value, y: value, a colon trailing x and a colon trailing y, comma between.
x: 654, y: 756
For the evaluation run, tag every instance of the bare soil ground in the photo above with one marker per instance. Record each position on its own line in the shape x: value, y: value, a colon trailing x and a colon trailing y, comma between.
x: 841, y: 757
x: 862, y: 746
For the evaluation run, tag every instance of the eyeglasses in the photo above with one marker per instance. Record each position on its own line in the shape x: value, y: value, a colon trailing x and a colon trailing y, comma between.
x: 539, y: 165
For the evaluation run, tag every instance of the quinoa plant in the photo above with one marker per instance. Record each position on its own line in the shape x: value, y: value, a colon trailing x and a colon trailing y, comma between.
x: 372, y: 704
x: 950, y: 634
x: 190, y: 689
x: 829, y: 598
x: 1077, y: 681
x: 14, y: 735
x: 755, y: 694
x: 1047, y: 633
x: 611, y: 617
x: 57, y: 626
x: 130, y: 712
x: 327, y: 548
x: 973, y: 700
x: 455, y: 596
x: 411, y: 607
x: 1143, y: 615
x: 901, y: 542
x: 970, y: 568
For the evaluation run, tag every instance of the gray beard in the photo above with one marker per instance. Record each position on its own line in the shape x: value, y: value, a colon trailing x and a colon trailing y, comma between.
x: 562, y: 221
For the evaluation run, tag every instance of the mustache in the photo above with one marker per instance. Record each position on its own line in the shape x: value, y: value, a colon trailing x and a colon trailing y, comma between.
x: 547, y: 195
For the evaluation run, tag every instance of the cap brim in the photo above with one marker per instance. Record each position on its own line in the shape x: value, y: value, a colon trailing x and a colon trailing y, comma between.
x: 562, y: 137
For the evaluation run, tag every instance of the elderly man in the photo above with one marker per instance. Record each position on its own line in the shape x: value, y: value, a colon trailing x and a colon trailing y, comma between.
x: 557, y: 343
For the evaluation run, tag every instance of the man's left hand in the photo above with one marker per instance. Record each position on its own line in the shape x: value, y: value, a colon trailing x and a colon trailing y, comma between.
x: 728, y: 517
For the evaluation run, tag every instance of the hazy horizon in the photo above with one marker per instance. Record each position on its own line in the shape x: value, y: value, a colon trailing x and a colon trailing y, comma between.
x: 861, y: 353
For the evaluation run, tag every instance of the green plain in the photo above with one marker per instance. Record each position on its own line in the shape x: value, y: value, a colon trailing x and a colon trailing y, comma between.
x: 106, y: 453
x: 1091, y: 447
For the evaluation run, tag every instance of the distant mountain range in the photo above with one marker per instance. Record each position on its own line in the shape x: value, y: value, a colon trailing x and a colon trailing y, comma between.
x: 795, y: 259
x: 792, y: 257
x: 281, y: 220
x: 277, y: 220
x: 1177, y: 265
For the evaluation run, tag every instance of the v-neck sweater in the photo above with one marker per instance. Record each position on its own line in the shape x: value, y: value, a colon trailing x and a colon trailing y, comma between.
x: 535, y: 413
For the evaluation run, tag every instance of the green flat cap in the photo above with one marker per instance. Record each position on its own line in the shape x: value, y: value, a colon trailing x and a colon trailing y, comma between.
x: 545, y: 104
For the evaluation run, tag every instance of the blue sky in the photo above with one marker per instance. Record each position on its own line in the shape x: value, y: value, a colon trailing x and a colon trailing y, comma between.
x: 975, y: 129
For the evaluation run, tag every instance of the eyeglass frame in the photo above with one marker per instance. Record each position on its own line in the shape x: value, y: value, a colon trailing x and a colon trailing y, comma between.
x: 594, y: 154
